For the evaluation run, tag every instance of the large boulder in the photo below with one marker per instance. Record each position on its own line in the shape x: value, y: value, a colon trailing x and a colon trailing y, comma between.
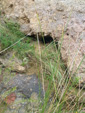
x: 54, y: 17
x: 36, y: 16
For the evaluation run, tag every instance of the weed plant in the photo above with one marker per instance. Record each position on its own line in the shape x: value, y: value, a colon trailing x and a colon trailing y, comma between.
x: 61, y: 94
x: 9, y: 34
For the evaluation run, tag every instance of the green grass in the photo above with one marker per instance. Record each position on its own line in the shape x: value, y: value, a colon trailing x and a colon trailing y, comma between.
x: 61, y: 88
x: 61, y: 95
x: 10, y: 34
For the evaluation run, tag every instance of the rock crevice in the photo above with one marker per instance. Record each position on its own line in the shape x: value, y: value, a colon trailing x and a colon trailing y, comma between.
x: 53, y: 17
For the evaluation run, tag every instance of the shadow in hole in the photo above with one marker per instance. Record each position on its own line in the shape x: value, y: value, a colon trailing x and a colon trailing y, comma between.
x: 46, y: 39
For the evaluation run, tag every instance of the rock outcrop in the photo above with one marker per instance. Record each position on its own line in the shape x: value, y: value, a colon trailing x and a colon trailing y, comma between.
x: 26, y: 96
x: 54, y: 17
x: 10, y: 61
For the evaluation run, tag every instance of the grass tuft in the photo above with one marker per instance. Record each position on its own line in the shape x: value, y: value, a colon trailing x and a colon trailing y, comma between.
x: 9, y: 34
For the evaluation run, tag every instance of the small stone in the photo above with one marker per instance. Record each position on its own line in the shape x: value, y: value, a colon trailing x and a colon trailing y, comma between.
x: 13, y: 63
x: 10, y: 98
x: 20, y: 69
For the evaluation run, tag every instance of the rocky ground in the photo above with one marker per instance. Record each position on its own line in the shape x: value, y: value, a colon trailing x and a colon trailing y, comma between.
x: 21, y: 92
x: 53, y: 17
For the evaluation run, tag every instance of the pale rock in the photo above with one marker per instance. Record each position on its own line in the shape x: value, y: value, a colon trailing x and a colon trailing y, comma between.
x: 12, y: 62
x: 54, y: 17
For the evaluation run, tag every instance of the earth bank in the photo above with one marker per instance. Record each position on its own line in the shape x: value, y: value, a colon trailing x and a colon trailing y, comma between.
x: 52, y: 18
x: 59, y: 20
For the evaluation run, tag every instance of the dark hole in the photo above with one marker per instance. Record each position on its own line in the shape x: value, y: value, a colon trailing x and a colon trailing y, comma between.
x: 2, y: 12
x: 67, y: 33
x: 33, y: 37
x: 46, y: 39
x: 11, y: 5
x: 28, y: 21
